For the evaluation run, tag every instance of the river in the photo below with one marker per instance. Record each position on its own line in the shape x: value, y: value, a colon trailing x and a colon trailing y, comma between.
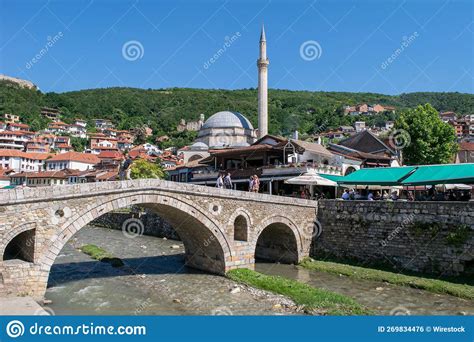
x: 154, y: 281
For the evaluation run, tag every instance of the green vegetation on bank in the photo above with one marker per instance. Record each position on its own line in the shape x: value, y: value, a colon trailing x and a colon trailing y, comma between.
x: 101, y: 254
x: 428, y: 284
x: 311, y: 298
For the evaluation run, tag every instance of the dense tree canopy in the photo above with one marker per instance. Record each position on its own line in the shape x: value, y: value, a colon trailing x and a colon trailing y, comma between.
x: 161, y: 109
x: 424, y: 137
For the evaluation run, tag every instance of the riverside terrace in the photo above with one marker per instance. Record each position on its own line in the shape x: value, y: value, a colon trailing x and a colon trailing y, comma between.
x: 454, y: 181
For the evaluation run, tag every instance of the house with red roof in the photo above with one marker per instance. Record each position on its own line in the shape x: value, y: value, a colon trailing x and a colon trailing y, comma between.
x: 45, y: 178
x: 22, y: 161
x: 5, y: 177
x: 18, y: 127
x: 72, y: 160
x: 465, y: 153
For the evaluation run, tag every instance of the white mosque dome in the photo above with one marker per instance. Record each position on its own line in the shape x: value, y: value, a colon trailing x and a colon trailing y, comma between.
x: 227, y: 119
x: 199, y: 146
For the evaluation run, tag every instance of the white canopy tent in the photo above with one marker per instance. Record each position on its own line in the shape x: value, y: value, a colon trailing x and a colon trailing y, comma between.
x: 457, y: 187
x: 311, y: 178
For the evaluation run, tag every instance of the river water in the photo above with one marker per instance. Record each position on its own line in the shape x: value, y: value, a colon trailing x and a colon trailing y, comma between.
x: 154, y: 281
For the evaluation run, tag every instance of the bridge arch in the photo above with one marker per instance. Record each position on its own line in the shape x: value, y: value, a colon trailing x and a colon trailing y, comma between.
x: 278, y: 239
x: 15, y: 233
x: 206, y: 247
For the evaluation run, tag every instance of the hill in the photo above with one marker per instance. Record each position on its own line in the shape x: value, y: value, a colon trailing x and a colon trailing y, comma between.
x: 162, y: 109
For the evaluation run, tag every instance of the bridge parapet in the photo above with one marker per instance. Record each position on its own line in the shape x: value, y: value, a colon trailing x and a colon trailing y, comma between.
x: 21, y: 195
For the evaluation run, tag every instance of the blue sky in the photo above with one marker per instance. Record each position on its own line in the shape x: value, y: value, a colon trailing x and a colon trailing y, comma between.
x: 380, y: 46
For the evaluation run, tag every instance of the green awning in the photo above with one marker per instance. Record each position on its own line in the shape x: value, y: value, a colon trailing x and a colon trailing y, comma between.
x: 385, y: 176
x: 334, y: 178
x: 9, y: 187
x: 441, y: 174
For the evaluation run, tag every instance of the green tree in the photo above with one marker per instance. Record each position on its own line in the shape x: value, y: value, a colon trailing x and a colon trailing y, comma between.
x: 78, y: 144
x: 142, y: 168
x: 424, y: 138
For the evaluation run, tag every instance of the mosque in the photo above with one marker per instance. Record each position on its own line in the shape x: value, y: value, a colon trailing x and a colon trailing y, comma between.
x: 228, y: 129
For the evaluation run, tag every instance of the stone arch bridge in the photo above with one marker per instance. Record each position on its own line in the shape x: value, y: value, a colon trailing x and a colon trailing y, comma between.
x: 221, y: 229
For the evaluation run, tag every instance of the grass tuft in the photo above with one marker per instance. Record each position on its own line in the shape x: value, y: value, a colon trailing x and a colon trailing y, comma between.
x: 101, y: 254
x: 311, y: 298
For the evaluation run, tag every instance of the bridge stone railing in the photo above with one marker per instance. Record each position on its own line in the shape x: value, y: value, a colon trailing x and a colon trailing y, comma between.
x: 25, y: 195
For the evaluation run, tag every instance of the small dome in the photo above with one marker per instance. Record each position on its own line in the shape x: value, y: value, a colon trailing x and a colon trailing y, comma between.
x: 199, y: 146
x: 226, y: 119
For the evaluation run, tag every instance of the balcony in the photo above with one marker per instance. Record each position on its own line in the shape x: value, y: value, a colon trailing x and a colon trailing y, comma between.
x: 301, y: 168
x: 270, y: 171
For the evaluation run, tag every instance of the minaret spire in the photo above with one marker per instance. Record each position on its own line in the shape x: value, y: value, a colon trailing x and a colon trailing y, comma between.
x: 262, y: 35
x: 262, y: 64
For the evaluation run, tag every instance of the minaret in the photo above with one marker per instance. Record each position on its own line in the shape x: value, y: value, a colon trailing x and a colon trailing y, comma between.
x: 262, y: 64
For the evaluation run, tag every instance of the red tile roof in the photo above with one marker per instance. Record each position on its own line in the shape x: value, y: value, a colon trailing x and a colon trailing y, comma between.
x: 109, y: 175
x: 21, y: 154
x: 4, y: 173
x: 63, y: 145
x: 22, y: 125
x: 87, y: 158
x: 110, y: 155
x: 17, y: 133
x: 47, y: 174
x: 466, y: 146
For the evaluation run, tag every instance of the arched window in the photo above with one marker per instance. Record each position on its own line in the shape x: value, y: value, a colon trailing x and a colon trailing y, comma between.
x: 21, y: 247
x: 240, y: 228
x: 349, y: 170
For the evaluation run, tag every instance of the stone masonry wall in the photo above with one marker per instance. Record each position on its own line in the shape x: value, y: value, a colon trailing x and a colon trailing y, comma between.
x: 430, y: 237
x: 153, y: 224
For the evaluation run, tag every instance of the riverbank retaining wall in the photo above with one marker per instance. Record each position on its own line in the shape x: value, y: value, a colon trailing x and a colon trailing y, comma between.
x: 429, y: 237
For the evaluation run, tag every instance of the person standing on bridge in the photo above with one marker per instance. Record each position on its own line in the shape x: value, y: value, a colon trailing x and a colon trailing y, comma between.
x: 256, y: 184
x: 227, y: 181
x: 220, y: 182
x: 251, y: 184
x: 125, y: 168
